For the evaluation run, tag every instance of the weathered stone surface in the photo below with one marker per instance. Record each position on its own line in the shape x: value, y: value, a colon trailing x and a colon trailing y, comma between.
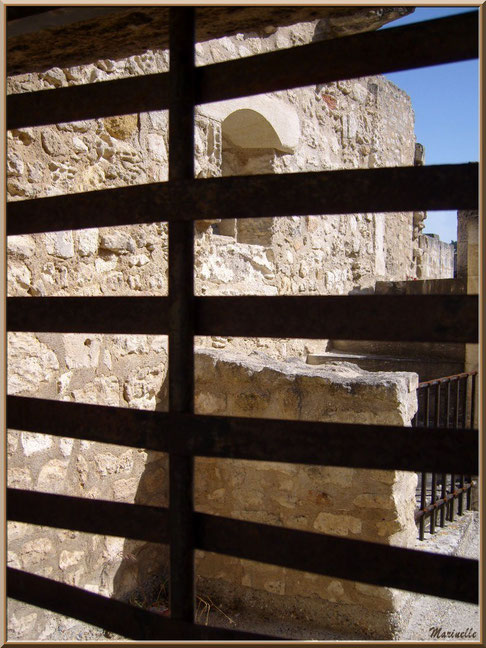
x: 33, y: 442
x: 363, y: 123
x: 69, y: 559
x: 19, y: 478
x: 22, y: 246
x: 52, y: 476
x: 81, y: 351
x: 35, y: 552
x: 30, y: 363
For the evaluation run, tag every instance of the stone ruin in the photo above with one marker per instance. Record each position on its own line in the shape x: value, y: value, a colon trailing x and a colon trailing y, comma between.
x: 364, y: 123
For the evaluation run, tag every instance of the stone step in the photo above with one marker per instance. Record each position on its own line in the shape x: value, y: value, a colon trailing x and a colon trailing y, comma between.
x: 429, y: 350
x: 426, y: 368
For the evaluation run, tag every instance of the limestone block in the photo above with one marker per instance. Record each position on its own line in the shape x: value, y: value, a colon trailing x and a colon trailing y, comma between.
x: 130, y: 344
x: 104, y: 390
x: 13, y: 560
x: 52, y: 476
x: 118, y: 242
x: 22, y: 246
x: 53, y: 144
x: 87, y: 240
x: 81, y: 351
x: 19, y: 279
x: 18, y: 530
x: 12, y: 441
x: 142, y: 387
x: 21, y: 627
x: 69, y: 559
x: 122, y: 126
x: 342, y: 525
x: 110, y: 464
x: 125, y: 490
x: 66, y: 446
x: 35, y: 552
x: 30, y: 363
x: 19, y: 478
x: 32, y: 442
x: 59, y: 244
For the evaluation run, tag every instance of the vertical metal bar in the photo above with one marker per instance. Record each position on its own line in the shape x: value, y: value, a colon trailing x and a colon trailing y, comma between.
x: 423, y: 504
x: 471, y: 425
x: 433, y: 519
x: 433, y: 498
x: 473, y: 400
x: 181, y: 305
x: 448, y: 403
x: 460, y: 504
x: 427, y: 406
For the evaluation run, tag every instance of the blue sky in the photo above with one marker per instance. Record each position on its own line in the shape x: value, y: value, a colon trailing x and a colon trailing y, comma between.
x: 446, y: 105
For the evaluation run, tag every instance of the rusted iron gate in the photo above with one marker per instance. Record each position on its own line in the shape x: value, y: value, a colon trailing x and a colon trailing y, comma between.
x: 447, y: 402
x: 180, y: 432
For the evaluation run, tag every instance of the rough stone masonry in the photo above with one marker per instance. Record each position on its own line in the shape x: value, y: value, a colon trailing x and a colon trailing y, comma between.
x: 364, y: 123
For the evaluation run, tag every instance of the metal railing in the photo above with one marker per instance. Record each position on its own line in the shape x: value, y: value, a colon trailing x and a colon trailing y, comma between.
x: 181, y: 315
x: 449, y: 402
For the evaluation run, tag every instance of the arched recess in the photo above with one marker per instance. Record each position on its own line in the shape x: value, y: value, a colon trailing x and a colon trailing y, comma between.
x: 255, y: 131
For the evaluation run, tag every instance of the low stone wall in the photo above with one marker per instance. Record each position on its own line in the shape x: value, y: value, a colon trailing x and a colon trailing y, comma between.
x: 366, y: 504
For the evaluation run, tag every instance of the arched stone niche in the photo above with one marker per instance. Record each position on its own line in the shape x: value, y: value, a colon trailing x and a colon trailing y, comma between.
x: 255, y: 132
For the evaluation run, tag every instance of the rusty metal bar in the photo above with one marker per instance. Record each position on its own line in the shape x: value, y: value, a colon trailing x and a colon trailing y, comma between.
x: 89, y: 314
x: 443, y: 494
x: 148, y: 523
x: 465, y: 380
x: 471, y: 426
x: 399, y: 48
x: 437, y: 575
x: 433, y: 499
x: 92, y: 101
x: 181, y: 309
x: 423, y: 504
x: 429, y: 43
x: 444, y: 318
x: 126, y: 620
x: 101, y: 423
x: 439, y: 503
x: 446, y: 379
x: 302, y: 442
x: 409, y: 569
x: 433, y: 495
x: 388, y: 189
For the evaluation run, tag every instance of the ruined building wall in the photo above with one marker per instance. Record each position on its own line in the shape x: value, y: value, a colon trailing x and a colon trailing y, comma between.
x: 363, y: 123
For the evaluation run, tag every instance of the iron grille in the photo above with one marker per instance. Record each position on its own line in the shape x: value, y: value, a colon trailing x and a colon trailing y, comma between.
x: 181, y: 315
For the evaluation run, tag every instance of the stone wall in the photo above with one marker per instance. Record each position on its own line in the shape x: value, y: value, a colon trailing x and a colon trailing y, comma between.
x: 364, y: 123
x: 435, y: 259
x: 367, y: 504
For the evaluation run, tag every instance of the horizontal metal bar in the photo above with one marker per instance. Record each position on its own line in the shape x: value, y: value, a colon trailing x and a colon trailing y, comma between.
x: 419, y: 45
x: 442, y: 502
x: 118, y: 617
x: 117, y: 425
x: 444, y: 318
x: 428, y: 43
x: 92, y: 101
x: 148, y: 523
x: 446, y: 379
x: 392, y: 189
x: 383, y: 447
x: 147, y: 315
x: 357, y: 560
